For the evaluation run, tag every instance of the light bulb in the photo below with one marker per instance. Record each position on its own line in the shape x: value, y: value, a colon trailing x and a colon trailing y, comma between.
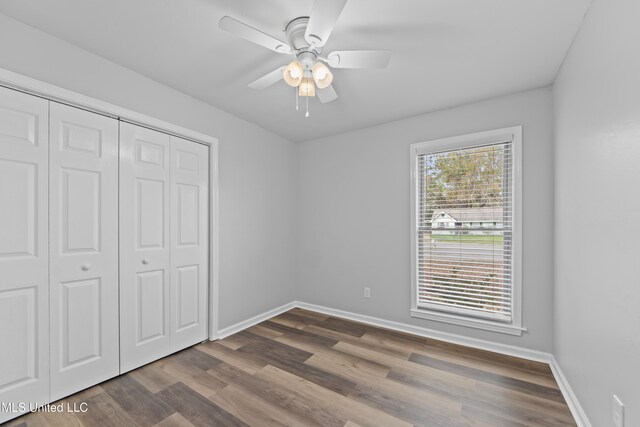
x: 307, y: 88
x: 292, y: 74
x: 322, y: 75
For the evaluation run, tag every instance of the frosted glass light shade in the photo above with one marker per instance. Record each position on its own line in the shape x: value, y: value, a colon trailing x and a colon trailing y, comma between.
x: 322, y: 75
x: 293, y: 73
x: 307, y: 88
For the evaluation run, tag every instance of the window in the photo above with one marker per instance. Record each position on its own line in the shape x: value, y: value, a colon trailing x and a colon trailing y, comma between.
x: 470, y: 274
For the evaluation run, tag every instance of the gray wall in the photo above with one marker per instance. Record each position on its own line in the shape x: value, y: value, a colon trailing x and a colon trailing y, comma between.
x: 597, y: 302
x: 257, y: 169
x: 353, y: 225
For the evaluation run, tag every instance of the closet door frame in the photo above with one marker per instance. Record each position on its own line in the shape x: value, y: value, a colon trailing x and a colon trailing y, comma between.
x: 51, y: 92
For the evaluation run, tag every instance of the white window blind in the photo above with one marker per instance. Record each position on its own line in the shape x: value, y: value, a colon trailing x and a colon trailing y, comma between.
x: 464, y: 215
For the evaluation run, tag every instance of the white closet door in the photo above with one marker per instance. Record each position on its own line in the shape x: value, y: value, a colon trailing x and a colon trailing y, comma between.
x: 189, y: 242
x: 24, y: 275
x: 144, y: 246
x: 84, y: 249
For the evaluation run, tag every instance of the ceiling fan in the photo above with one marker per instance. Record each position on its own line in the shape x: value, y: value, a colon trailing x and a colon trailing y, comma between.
x: 306, y: 37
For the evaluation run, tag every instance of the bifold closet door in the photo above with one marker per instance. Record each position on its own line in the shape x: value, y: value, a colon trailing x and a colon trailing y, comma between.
x: 83, y: 249
x: 189, y: 242
x: 24, y: 264
x: 145, y: 264
x: 164, y: 244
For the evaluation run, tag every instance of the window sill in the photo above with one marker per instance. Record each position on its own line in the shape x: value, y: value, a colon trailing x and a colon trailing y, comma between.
x: 469, y: 322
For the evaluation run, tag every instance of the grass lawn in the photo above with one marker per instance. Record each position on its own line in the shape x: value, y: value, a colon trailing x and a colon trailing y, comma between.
x: 467, y: 238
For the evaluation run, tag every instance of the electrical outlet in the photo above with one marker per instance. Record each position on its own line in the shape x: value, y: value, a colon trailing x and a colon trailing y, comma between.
x: 367, y: 292
x: 618, y: 412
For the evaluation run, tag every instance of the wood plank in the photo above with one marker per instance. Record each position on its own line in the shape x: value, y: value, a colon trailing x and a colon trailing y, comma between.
x: 231, y: 357
x: 311, y: 314
x: 153, y: 377
x: 482, y: 414
x: 348, y: 365
x: 387, y: 338
x: 300, y: 334
x: 43, y: 419
x: 278, y: 395
x: 264, y: 332
x: 416, y: 414
x: 323, y: 378
x: 491, y: 366
x: 513, y: 398
x: 397, y: 352
x: 273, y: 348
x: 256, y: 411
x: 391, y: 395
x: 290, y: 318
x: 193, y: 356
x: 174, y: 420
x: 345, y: 326
x: 234, y: 341
x: 103, y: 411
x: 197, y: 379
x: 496, y: 399
x: 323, y: 405
x: 512, y: 383
x: 141, y: 405
x: 444, y: 378
x: 196, y: 408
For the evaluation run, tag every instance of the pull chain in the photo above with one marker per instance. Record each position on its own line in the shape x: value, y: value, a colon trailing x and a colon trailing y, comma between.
x: 307, y: 113
x: 296, y: 90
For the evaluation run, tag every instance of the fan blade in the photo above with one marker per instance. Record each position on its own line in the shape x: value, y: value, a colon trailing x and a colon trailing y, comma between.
x: 240, y: 29
x: 324, y: 15
x: 359, y: 58
x: 268, y: 79
x: 327, y: 94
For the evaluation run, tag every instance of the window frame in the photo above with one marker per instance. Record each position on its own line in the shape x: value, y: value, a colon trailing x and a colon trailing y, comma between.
x: 509, y: 134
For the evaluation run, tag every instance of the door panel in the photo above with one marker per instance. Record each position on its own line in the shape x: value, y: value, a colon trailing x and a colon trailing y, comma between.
x: 188, y: 293
x: 24, y: 256
x: 189, y: 242
x: 18, y: 214
x: 80, y: 219
x: 187, y: 215
x: 20, y: 364
x: 149, y: 218
x: 80, y: 312
x: 151, y: 310
x: 84, y: 249
x: 144, y: 246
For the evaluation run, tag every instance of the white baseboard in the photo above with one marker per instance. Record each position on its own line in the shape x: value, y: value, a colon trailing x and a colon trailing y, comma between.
x: 524, y: 353
x: 230, y: 330
x: 509, y: 350
x: 572, y: 401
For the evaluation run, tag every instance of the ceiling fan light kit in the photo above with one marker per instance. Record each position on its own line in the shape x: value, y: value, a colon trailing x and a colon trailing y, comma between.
x: 307, y: 88
x: 306, y: 37
x: 293, y: 73
x: 321, y: 75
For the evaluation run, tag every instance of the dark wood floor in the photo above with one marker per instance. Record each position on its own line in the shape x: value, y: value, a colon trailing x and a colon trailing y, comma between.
x: 305, y: 368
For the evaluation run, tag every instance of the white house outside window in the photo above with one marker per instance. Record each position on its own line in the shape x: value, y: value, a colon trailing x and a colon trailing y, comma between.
x: 466, y: 228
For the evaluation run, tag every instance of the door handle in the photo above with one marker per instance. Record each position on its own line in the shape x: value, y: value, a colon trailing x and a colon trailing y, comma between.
x: 145, y: 261
x: 85, y: 267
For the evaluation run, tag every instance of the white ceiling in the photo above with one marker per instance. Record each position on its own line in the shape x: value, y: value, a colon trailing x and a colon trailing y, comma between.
x: 445, y: 52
